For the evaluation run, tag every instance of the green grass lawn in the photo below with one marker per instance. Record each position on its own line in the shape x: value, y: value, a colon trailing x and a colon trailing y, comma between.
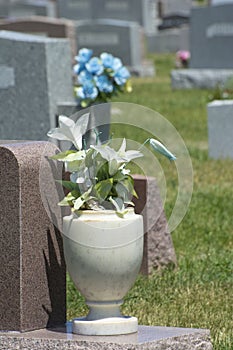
x: 199, y: 293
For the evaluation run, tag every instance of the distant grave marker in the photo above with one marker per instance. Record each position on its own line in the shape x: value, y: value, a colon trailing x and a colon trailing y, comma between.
x: 36, y: 74
x: 45, y: 26
x: 120, y: 38
x: 24, y: 8
x: 141, y: 11
x: 220, y: 129
x: 212, y: 37
x: 75, y: 9
x: 169, y: 7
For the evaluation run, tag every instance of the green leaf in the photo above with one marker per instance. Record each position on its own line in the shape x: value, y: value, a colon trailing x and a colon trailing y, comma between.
x: 103, y: 188
x: 124, y: 189
x: 78, y: 155
x: 118, y: 176
x: 119, y: 206
x: 67, y: 201
x: 121, y: 214
x: 89, y: 158
x: 64, y: 203
x: 74, y: 166
x: 74, y: 159
x: 75, y: 193
x: 69, y: 185
x: 128, y: 183
x: 102, y: 172
x: 113, y: 167
x: 62, y: 155
x: 78, y: 203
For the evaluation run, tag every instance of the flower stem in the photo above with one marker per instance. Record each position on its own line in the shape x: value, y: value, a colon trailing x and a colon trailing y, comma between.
x: 147, y: 140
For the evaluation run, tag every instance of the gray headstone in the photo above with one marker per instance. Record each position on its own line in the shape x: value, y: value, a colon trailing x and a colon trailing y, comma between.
x: 169, y: 40
x: 140, y: 11
x: 211, y: 37
x: 164, y: 41
x: 220, y: 129
x: 75, y: 9
x: 184, y: 38
x: 120, y: 38
x: 35, y: 75
x: 169, y: 7
x: 43, y: 26
x: 143, y: 12
x: 3, y: 8
x: 24, y: 8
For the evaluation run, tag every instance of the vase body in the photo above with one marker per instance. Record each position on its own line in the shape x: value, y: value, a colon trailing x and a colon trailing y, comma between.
x: 103, y: 253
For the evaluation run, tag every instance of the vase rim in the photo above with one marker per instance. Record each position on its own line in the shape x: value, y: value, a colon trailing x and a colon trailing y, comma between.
x: 78, y: 213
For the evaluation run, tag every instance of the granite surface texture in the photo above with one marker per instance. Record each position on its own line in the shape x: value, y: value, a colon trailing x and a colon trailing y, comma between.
x: 169, y: 40
x: 50, y: 27
x: 142, y: 12
x: 31, y: 7
x: 220, y: 126
x: 147, y: 338
x: 199, y: 78
x: 33, y: 274
x: 158, y: 246
x: 123, y: 39
x: 28, y: 106
x: 211, y: 37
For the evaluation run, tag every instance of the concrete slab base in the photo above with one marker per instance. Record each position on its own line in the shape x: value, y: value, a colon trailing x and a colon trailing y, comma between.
x: 199, y: 78
x: 150, y: 338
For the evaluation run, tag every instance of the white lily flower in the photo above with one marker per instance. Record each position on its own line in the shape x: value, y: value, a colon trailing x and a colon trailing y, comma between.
x: 127, y: 156
x: 159, y: 147
x: 106, y: 152
x: 70, y: 131
x: 121, y: 156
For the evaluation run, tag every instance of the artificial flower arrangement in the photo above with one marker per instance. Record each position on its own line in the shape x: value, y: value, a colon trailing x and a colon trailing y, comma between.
x: 99, y: 177
x: 182, y: 58
x: 98, y: 79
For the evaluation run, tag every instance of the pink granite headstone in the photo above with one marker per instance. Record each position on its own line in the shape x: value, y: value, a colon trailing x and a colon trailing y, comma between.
x: 32, y: 267
x: 158, y: 247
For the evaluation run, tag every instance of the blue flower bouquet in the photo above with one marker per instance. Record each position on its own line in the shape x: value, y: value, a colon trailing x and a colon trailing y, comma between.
x: 98, y: 79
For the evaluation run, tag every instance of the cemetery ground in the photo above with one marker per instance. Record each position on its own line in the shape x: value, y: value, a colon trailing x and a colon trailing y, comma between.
x: 198, y: 293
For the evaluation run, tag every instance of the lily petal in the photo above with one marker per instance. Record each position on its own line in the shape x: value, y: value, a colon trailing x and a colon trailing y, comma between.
x: 123, y: 147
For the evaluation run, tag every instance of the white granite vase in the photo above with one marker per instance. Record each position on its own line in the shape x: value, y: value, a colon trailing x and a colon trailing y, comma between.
x: 103, y: 253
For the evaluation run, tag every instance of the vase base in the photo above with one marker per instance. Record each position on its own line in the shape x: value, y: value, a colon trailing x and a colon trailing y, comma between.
x: 105, y: 326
